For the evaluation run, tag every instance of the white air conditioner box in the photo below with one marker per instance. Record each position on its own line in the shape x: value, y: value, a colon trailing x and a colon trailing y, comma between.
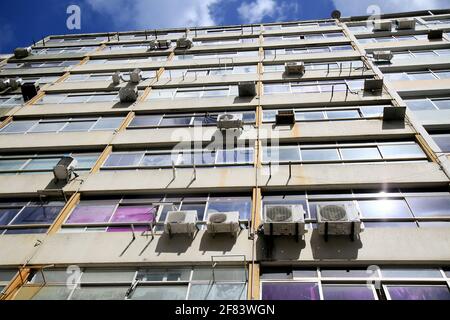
x: 229, y: 121
x: 338, y: 219
x: 64, y: 168
x: 284, y: 220
x: 382, y: 55
x: 128, y: 94
x: 163, y: 44
x: 382, y: 25
x: 181, y: 222
x: 405, y: 23
x: 136, y: 76
x: 223, y: 222
x: 294, y: 68
x: 184, y: 43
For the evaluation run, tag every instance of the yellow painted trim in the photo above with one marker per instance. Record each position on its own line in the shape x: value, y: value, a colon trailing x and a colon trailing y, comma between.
x: 126, y: 121
x: 15, y: 284
x: 68, y: 207
x: 145, y: 94
x: 428, y: 151
x: 63, y: 77
x: 253, y: 291
x: 35, y: 99
x: 101, y: 159
x: 6, y: 121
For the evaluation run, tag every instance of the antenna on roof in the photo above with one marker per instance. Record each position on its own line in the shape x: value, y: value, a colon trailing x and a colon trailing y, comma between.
x: 118, y: 36
x: 108, y: 37
x: 43, y: 41
x: 145, y: 33
x: 336, y: 14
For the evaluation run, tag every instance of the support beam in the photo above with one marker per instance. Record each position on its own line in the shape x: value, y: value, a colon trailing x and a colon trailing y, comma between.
x: 68, y: 207
x: 101, y: 159
x: 19, y: 279
x: 253, y: 288
x: 126, y: 121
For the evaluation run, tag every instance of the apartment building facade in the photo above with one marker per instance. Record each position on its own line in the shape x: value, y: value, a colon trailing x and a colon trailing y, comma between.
x: 351, y: 113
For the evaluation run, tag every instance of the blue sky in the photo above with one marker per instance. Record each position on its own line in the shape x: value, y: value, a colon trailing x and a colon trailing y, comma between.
x: 22, y: 21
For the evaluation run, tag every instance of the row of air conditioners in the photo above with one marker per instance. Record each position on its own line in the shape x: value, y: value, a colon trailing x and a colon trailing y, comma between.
x: 29, y: 89
x: 185, y: 222
x: 332, y: 219
x: 400, y: 24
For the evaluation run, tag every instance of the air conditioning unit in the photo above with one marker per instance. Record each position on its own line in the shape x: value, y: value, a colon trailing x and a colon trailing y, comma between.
x: 247, y: 89
x: 128, y: 94
x: 406, y: 23
x: 15, y: 83
x: 136, y: 76
x: 5, y: 83
x: 285, y: 117
x: 382, y: 55
x: 64, y: 168
x: 181, y: 222
x: 435, y: 34
x: 394, y: 113
x: 163, y: 44
x: 29, y: 90
x: 223, y: 222
x: 229, y: 121
x: 20, y: 53
x: 382, y: 26
x: 338, y: 219
x: 373, y: 85
x: 116, y: 77
x: 284, y: 220
x: 152, y: 44
x: 294, y: 68
x: 184, y: 43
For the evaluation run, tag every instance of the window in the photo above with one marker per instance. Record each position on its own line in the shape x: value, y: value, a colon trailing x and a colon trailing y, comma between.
x: 47, y: 64
x: 194, y: 92
x: 396, y: 209
x: 342, y: 152
x: 305, y: 50
x: 228, y: 55
x: 62, y: 125
x: 119, y: 213
x: 79, y: 98
x: 442, y: 140
x: 314, y: 86
x: 42, y: 163
x: 139, y: 284
x: 179, y: 157
x: 350, y: 284
x: 7, y: 101
x: 28, y: 216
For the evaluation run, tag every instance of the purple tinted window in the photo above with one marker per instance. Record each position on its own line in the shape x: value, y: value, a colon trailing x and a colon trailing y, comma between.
x: 91, y: 214
x: 290, y: 291
x: 134, y: 214
x: 6, y: 215
x: 430, y: 206
x: 384, y: 209
x: 31, y: 215
x: 26, y: 231
x: 347, y: 292
x: 417, y: 292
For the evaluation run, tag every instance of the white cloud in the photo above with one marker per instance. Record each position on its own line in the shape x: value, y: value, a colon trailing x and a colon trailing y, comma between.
x: 355, y: 8
x: 256, y: 11
x: 146, y: 14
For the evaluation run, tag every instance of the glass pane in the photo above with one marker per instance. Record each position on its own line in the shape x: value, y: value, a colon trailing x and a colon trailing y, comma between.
x: 384, y: 209
x: 200, y: 208
x: 175, y: 121
x: 345, y: 273
x: 36, y: 215
x: 344, y: 114
x: 52, y: 293
x: 85, y: 161
x: 92, y: 275
x: 91, y: 213
x: 290, y: 291
x: 220, y: 274
x: 319, y: 115
x: 107, y: 124
x: 41, y: 164
x: 156, y: 160
x: 360, y: 153
x: 276, y: 154
x: 18, y: 126
x: 79, y: 126
x: 6, y: 215
x: 159, y: 293
x: 411, y: 273
x: 418, y: 292
x: 218, y: 291
x: 123, y: 159
x: 421, y: 104
x: 242, y: 206
x: 433, y: 206
x: 48, y: 127
x: 443, y: 104
x: 347, y: 292
x: 100, y: 293
x: 7, y: 165
x: 443, y: 141
x: 135, y: 214
x: 320, y: 155
x: 102, y: 97
x: 164, y: 275
x: 142, y: 121
x: 235, y: 156
x: 401, y: 151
